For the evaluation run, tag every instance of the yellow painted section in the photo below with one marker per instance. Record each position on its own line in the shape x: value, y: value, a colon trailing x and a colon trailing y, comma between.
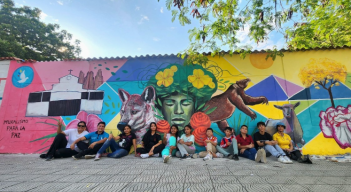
x: 112, y: 126
x: 323, y: 146
x: 269, y: 110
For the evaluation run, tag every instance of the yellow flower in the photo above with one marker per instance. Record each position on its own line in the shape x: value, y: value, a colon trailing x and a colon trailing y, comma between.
x: 174, y: 68
x: 337, y: 84
x: 199, y: 79
x: 164, y: 77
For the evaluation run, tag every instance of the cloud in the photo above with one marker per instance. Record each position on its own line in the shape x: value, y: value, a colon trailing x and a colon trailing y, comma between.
x: 137, y: 8
x: 60, y: 2
x: 161, y: 10
x: 139, y: 49
x: 143, y: 18
x: 156, y: 39
x: 56, y: 20
x: 43, y: 15
x: 172, y: 28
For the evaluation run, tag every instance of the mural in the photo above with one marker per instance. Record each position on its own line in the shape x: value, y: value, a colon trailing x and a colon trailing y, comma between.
x: 308, y: 91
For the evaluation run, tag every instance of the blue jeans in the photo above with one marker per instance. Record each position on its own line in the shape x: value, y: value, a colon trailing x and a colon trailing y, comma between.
x: 275, y: 150
x: 232, y: 149
x: 249, y: 153
x: 117, y: 151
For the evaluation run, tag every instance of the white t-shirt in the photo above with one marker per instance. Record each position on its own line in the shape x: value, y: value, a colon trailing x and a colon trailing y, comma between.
x: 169, y: 136
x: 73, y: 135
x: 191, y: 138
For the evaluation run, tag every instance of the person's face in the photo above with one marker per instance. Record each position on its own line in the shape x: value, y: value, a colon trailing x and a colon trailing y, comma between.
x: 174, y: 130
x: 209, y: 133
x: 127, y: 130
x: 243, y: 130
x: 262, y: 128
x: 187, y: 130
x: 228, y: 132
x: 177, y: 110
x: 81, y: 127
x: 280, y: 128
x: 101, y: 127
x: 153, y: 127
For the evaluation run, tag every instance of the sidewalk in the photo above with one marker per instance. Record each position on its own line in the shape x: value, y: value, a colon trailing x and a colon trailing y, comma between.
x: 30, y: 173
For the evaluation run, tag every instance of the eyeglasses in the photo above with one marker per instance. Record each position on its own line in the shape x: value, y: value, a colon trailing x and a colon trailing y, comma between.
x: 81, y: 125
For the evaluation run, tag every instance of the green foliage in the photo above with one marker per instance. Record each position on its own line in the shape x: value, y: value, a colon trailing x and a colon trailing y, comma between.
x: 23, y: 35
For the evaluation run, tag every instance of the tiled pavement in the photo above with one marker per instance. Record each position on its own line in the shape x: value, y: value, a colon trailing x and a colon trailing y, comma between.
x: 29, y: 173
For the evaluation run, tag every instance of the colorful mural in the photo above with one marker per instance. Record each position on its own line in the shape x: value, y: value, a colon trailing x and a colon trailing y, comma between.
x: 308, y: 91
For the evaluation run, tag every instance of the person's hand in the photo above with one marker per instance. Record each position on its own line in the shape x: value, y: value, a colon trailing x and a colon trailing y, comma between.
x: 242, y: 151
x: 228, y: 143
x: 251, y: 145
x: 181, y: 141
x: 91, y: 146
x: 72, y: 146
x: 59, y: 123
x: 110, y: 137
x: 207, y: 141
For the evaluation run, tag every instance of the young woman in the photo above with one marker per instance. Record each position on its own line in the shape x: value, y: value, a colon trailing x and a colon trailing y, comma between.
x: 186, y: 144
x: 170, y: 140
x: 121, y: 148
x: 61, y: 147
x: 151, y: 143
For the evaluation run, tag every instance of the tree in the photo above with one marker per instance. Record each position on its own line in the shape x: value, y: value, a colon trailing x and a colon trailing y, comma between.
x: 23, y: 35
x: 326, y: 26
x: 325, y: 73
x: 221, y: 20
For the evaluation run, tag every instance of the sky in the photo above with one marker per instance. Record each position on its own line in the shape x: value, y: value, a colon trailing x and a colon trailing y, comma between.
x: 111, y: 28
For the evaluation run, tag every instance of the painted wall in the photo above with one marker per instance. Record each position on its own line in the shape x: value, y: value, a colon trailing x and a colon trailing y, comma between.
x: 308, y: 91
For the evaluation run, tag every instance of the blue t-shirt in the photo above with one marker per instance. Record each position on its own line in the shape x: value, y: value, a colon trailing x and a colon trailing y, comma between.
x: 94, y: 136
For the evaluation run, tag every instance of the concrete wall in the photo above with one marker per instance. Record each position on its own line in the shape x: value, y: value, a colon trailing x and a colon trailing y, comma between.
x: 308, y: 91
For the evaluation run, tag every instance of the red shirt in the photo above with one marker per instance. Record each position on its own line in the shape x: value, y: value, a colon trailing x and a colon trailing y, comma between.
x: 247, y: 141
x: 213, y: 138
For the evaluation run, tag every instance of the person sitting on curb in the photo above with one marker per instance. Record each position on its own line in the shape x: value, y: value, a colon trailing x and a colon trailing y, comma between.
x: 210, y: 144
x: 229, y: 145
x: 285, y: 143
x: 97, y: 139
x: 264, y: 140
x: 121, y: 148
x: 170, y: 141
x: 151, y: 143
x: 186, y: 144
x: 247, y: 147
x: 60, y: 148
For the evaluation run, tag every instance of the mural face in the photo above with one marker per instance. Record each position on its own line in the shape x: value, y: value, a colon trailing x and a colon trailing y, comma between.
x: 309, y: 93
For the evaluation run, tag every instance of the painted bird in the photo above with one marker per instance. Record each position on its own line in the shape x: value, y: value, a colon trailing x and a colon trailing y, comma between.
x: 23, y: 77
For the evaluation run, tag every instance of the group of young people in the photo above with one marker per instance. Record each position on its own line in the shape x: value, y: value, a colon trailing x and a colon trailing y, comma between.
x: 77, y: 143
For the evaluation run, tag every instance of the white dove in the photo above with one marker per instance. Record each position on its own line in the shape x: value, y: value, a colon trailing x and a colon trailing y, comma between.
x: 23, y: 78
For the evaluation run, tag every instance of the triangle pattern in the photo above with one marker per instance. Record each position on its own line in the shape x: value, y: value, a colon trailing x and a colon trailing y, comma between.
x: 268, y: 87
x: 340, y: 91
x: 303, y: 105
x: 289, y: 87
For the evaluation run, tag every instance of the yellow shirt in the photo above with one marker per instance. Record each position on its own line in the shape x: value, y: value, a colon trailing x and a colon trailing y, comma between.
x: 283, y: 141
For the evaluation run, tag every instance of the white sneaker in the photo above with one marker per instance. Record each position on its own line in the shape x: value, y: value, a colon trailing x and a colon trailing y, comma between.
x: 97, y: 157
x: 89, y: 156
x: 144, y: 156
x: 166, y: 158
x: 258, y: 156
x: 288, y: 160
x: 263, y: 157
x: 219, y: 155
x: 282, y: 159
x: 207, y: 157
x: 156, y: 155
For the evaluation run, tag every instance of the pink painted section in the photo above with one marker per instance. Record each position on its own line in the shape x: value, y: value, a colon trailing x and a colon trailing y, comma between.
x: 13, y: 108
x: 289, y: 88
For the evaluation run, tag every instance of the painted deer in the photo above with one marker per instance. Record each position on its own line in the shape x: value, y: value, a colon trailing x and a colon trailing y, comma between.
x: 137, y: 111
x: 292, y: 124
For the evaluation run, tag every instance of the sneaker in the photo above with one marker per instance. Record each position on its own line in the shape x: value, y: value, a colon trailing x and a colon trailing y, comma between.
x: 97, y: 157
x: 236, y: 157
x: 49, y: 158
x: 219, y: 155
x: 144, y: 156
x: 263, y: 156
x: 207, y: 157
x: 104, y: 154
x: 195, y: 156
x: 230, y: 156
x: 188, y: 157
x: 75, y: 157
x: 166, y: 158
x: 288, y: 160
x: 89, y: 156
x: 43, y: 156
x: 258, y: 156
x: 156, y: 155
x: 183, y: 157
x: 282, y: 159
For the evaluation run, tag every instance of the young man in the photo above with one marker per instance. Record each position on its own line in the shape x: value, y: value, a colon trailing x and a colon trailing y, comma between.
x: 97, y: 139
x: 210, y: 144
x: 229, y: 145
x: 246, y: 145
x: 264, y: 140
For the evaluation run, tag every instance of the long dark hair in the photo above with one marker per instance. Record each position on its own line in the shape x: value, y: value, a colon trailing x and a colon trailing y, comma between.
x: 188, y: 126
x: 149, y: 131
x: 176, y: 128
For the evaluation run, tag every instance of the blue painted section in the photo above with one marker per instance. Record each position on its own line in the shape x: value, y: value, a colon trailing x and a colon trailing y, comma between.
x: 269, y: 88
x: 309, y: 119
x: 141, y: 69
x: 110, y: 105
x: 22, y: 77
x: 68, y: 119
x: 340, y: 91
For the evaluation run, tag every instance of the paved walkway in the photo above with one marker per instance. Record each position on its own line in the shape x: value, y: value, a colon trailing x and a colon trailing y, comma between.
x: 29, y: 173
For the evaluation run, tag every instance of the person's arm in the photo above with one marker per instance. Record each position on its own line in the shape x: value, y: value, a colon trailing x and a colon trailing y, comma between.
x: 223, y: 143
x: 164, y: 141
x: 76, y: 141
x: 191, y: 141
x: 59, y: 127
x: 214, y: 142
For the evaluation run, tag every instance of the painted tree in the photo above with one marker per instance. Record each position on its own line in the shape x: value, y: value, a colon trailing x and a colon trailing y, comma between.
x: 324, y: 73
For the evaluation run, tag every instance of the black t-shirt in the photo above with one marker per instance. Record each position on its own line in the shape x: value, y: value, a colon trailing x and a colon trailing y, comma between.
x: 259, y: 137
x: 151, y: 140
x: 128, y: 140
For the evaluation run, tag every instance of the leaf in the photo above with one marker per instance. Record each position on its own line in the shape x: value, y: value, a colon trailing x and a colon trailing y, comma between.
x: 113, y: 105
x: 107, y: 68
x: 113, y: 113
x: 68, y: 118
x: 109, y: 97
x: 118, y: 79
x: 159, y: 102
x: 210, y: 110
x: 125, y: 71
x: 118, y: 105
x: 45, y: 141
x: 226, y: 81
x: 201, y: 106
x: 158, y: 117
x: 107, y: 104
x: 45, y: 137
x: 113, y: 73
x: 221, y: 86
x: 99, y: 65
x: 94, y: 67
x: 107, y: 111
x: 204, y: 109
x: 115, y: 66
x: 221, y: 79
